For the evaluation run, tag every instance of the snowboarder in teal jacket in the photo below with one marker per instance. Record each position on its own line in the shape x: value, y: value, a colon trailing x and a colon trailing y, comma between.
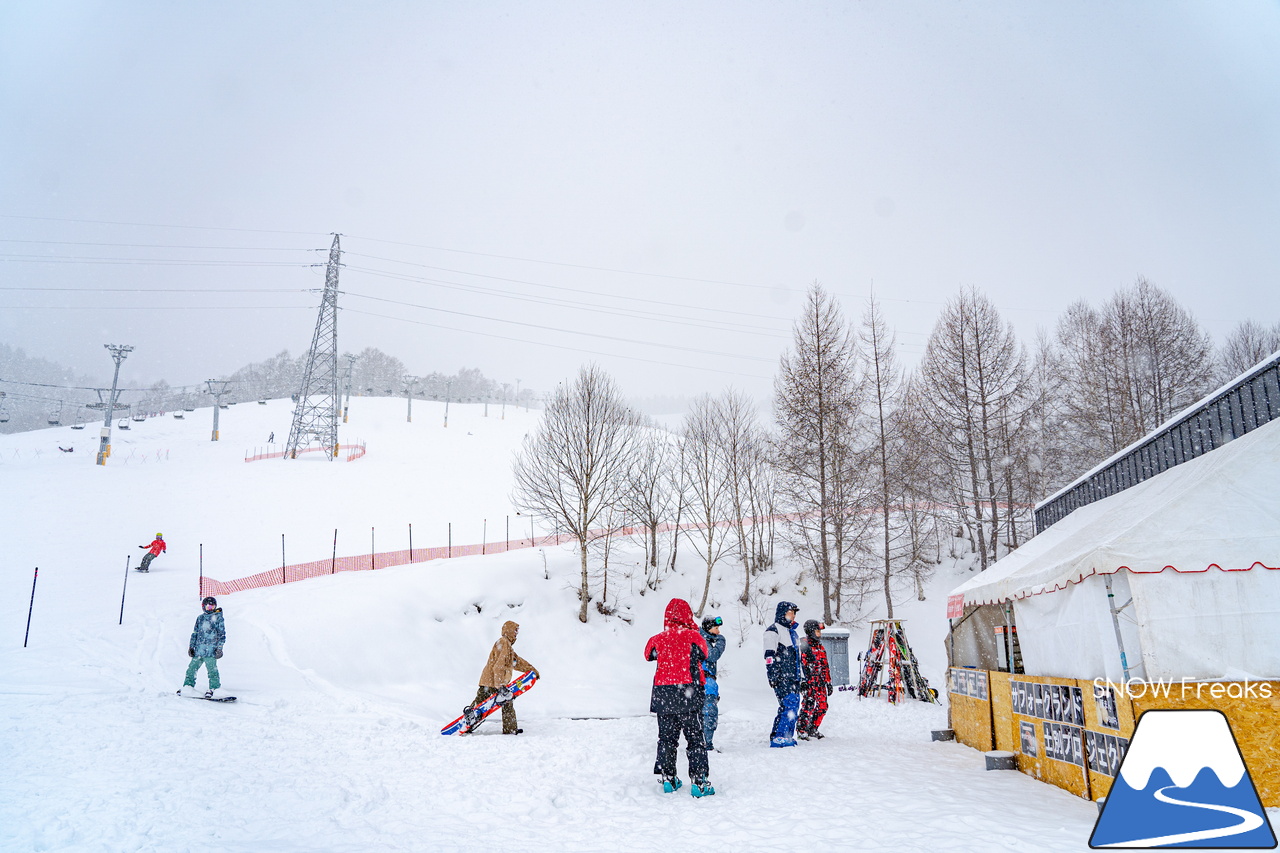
x: 205, y: 647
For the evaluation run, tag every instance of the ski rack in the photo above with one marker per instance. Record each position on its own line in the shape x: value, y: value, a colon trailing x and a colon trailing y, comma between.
x: 889, y: 666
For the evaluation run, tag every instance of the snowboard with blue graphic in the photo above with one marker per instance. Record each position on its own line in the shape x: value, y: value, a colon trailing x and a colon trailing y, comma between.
x: 481, y: 712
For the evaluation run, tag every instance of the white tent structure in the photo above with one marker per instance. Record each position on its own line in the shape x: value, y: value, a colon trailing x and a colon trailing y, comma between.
x: 1197, y: 550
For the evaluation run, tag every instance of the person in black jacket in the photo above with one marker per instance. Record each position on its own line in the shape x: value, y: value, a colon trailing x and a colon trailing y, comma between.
x: 711, y: 690
x: 782, y: 666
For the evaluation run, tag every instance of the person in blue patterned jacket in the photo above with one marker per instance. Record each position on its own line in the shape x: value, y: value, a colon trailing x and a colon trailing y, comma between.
x: 782, y: 666
x: 711, y: 690
x: 205, y: 648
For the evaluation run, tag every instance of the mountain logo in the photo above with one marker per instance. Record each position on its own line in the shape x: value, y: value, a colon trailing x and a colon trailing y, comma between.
x: 1183, y: 783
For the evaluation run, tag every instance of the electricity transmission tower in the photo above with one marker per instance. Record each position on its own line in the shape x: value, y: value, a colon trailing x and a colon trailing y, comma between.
x: 316, y: 417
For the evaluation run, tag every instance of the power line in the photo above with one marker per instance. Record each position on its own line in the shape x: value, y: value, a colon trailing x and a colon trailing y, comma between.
x: 156, y: 246
x: 160, y: 262
x: 158, y: 225
x: 567, y: 264
x: 554, y: 329
x: 555, y: 346
x: 158, y: 307
x: 580, y: 306
x: 644, y: 300
x: 161, y: 289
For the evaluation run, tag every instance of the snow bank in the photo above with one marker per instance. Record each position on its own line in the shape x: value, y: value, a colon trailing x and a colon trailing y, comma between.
x: 345, y: 681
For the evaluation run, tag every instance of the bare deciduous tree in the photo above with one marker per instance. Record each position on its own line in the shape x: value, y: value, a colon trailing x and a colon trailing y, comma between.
x: 574, y: 467
x: 707, y: 473
x: 883, y: 385
x: 1249, y: 343
x: 973, y: 390
x: 650, y: 496
x: 1126, y: 368
x: 817, y: 394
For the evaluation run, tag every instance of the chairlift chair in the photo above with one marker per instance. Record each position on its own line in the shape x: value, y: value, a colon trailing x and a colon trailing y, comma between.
x: 124, y: 423
x: 55, y: 415
x: 79, y: 424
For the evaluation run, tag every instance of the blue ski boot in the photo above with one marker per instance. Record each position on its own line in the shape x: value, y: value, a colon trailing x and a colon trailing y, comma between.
x: 702, y: 788
x: 671, y: 784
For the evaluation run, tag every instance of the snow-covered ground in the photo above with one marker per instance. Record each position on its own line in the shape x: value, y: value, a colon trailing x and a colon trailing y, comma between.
x: 345, y: 681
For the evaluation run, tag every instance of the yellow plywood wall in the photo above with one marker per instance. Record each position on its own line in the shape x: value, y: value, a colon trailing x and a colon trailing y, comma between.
x: 1252, y: 708
x: 1002, y: 713
x: 967, y: 691
x: 1106, y: 739
x: 1035, y: 755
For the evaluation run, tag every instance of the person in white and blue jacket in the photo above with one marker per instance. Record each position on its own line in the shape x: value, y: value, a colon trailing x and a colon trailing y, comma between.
x: 782, y: 666
x: 711, y: 690
x: 205, y: 647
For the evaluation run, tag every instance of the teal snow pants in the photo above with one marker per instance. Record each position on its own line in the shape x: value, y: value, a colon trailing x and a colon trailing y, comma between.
x: 192, y: 668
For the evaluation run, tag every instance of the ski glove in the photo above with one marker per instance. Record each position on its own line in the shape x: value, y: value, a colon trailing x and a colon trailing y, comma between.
x: 768, y: 661
x: 829, y: 689
x: 191, y: 652
x: 535, y: 672
x: 217, y: 653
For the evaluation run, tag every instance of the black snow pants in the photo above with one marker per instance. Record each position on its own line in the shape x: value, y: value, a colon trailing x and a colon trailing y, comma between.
x: 669, y: 728
x: 146, y: 561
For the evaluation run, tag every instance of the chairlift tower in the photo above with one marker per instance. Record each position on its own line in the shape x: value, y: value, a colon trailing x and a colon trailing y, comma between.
x: 315, y: 419
x: 119, y: 353
x: 217, y: 394
x: 351, y: 367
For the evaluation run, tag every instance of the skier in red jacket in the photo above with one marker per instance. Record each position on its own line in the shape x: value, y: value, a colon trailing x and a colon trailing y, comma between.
x: 817, y: 681
x: 677, y: 697
x: 155, y: 549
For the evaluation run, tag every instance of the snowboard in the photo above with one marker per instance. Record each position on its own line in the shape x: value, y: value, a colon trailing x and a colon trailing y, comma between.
x: 214, y: 699
x: 518, y: 687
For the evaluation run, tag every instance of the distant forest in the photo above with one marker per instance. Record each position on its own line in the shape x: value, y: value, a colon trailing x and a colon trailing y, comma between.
x: 38, y: 392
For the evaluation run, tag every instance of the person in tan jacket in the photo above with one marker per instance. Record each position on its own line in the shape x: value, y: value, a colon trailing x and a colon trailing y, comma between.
x: 497, y: 674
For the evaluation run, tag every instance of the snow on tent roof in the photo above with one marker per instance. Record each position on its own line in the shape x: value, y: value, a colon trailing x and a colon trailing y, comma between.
x: 1220, y: 511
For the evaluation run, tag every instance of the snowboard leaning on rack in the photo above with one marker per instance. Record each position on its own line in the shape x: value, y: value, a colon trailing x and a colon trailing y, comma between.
x: 890, y: 668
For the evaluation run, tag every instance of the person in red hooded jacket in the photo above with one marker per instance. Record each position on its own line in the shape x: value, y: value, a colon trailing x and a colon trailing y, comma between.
x: 677, y: 697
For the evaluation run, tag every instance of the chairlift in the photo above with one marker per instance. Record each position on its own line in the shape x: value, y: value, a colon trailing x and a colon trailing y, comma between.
x: 139, y: 417
x: 4, y: 415
x: 262, y: 402
x: 124, y: 423
x: 79, y: 424
x: 178, y: 415
x: 55, y: 415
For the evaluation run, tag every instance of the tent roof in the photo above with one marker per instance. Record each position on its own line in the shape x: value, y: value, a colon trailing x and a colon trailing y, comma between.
x: 1220, y: 511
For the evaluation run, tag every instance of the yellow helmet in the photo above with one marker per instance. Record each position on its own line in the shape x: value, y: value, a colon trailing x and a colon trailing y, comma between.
x: 159, y: 535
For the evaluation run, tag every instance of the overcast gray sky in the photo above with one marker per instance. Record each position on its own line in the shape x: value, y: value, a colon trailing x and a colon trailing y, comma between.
x: 648, y: 185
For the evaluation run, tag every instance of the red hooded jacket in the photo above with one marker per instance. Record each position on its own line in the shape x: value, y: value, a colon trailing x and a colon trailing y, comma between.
x: 679, y: 651
x: 157, y: 546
